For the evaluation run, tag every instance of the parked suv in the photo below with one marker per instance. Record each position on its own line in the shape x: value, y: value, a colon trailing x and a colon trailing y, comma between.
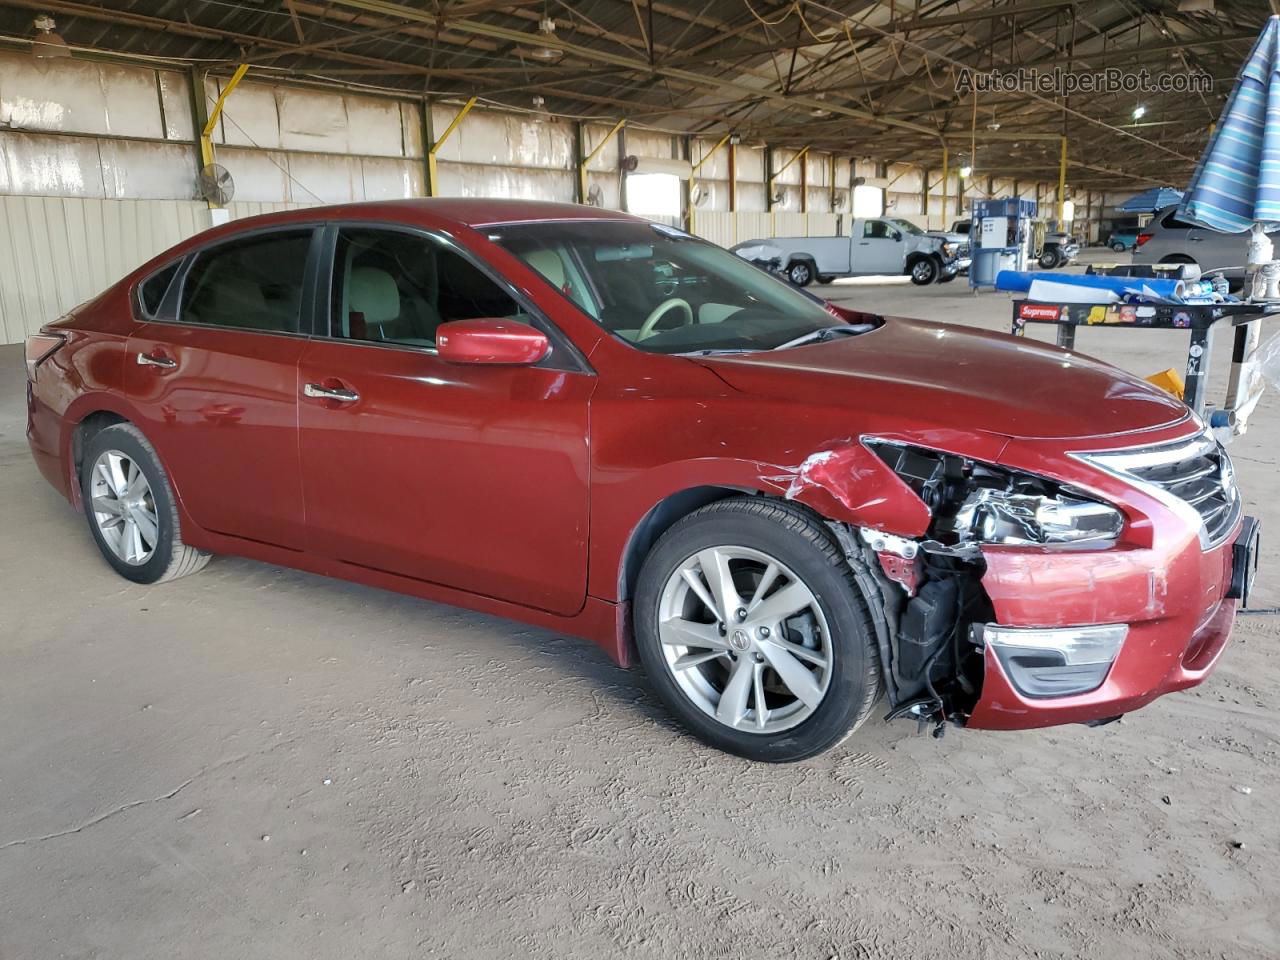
x: 1167, y: 239
x: 608, y: 428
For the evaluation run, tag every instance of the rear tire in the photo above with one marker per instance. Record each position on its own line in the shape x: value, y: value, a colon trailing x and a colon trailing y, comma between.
x: 836, y: 670
x: 131, y: 510
x: 1118, y: 247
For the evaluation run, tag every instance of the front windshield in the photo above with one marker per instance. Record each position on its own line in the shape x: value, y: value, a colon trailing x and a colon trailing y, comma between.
x: 906, y: 226
x: 662, y: 290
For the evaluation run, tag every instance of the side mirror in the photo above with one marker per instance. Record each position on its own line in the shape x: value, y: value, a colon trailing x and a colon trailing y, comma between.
x: 897, y: 236
x: 491, y: 340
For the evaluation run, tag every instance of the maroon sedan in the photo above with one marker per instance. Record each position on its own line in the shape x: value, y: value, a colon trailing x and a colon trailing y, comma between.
x: 606, y: 427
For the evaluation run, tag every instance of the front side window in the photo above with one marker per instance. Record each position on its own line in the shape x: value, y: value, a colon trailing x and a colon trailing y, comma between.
x: 390, y: 286
x: 663, y: 290
x: 875, y: 230
x: 254, y: 284
x: 906, y: 226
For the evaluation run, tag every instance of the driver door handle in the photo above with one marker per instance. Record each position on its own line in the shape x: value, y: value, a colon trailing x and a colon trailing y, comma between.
x: 155, y: 360
x: 319, y: 392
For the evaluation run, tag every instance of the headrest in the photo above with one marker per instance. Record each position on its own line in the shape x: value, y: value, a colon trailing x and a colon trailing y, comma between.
x: 549, y: 264
x: 234, y: 295
x: 373, y: 292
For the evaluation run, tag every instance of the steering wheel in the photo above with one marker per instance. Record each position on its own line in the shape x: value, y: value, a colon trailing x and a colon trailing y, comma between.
x: 649, y: 327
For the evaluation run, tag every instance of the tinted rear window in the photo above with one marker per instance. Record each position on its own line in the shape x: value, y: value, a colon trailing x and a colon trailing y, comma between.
x: 254, y: 283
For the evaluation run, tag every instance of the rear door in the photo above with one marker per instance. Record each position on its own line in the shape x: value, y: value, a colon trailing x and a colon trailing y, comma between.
x: 214, y: 375
x: 473, y: 477
x: 879, y: 250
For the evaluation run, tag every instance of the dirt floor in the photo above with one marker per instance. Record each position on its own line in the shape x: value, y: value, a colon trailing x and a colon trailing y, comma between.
x: 254, y: 762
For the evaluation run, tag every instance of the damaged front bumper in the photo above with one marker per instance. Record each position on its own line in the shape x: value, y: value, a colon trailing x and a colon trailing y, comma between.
x: 1175, y: 604
x: 1002, y: 633
x: 1018, y: 638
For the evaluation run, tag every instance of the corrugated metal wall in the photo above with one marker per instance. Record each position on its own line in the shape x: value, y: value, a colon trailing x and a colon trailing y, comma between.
x: 727, y: 229
x: 57, y: 252
x: 98, y: 170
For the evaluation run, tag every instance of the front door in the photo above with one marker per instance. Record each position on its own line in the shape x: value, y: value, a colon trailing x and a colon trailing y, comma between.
x: 473, y: 477
x: 213, y: 376
x: 880, y: 249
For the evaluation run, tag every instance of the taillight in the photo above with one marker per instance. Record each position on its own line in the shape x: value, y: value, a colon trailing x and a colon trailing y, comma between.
x: 40, y: 346
x: 1143, y: 238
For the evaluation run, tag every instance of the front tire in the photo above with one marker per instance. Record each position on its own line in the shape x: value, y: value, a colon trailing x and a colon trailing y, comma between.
x: 1118, y: 247
x: 131, y: 510
x: 800, y: 272
x: 1048, y: 260
x: 924, y: 271
x: 754, y: 633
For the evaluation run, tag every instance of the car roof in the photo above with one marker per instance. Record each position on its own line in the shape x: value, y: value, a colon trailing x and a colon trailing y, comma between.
x: 441, y: 213
x: 464, y: 211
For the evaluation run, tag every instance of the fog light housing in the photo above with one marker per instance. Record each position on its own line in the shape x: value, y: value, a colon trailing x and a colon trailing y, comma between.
x: 1055, y: 661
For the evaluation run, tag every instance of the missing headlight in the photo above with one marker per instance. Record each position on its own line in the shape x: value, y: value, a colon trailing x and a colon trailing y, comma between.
x: 972, y: 501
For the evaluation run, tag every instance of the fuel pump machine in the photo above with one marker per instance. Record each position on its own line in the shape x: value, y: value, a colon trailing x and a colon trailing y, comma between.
x: 1002, y: 238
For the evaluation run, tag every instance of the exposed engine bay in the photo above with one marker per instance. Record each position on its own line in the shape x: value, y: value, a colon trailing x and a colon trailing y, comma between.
x: 924, y: 599
x: 929, y: 591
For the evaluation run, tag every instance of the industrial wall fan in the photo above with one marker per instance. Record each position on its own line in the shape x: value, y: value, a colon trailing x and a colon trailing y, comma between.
x: 216, y: 184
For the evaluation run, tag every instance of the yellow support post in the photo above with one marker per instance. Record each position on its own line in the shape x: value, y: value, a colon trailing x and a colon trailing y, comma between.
x: 946, y: 172
x: 1062, y: 185
x: 777, y: 173
x: 582, y: 165
x: 693, y: 174
x: 206, y: 135
x: 733, y: 180
x: 433, y: 181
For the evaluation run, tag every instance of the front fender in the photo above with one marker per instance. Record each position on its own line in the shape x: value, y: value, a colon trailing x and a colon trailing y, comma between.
x: 842, y: 481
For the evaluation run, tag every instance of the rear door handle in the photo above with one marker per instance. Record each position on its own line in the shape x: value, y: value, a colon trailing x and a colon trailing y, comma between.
x: 152, y: 360
x: 319, y: 392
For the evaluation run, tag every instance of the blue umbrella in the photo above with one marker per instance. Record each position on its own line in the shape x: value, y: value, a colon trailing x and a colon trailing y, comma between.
x: 1237, y: 181
x: 1149, y: 201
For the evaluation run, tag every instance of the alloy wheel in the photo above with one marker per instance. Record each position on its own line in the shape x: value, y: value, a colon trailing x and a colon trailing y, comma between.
x: 745, y: 639
x: 799, y: 274
x: 124, y: 508
x: 922, y: 271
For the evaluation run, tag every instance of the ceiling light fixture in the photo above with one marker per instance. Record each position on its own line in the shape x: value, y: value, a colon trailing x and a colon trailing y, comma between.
x: 47, y: 44
x: 1139, y: 112
x: 546, y: 28
x: 966, y: 171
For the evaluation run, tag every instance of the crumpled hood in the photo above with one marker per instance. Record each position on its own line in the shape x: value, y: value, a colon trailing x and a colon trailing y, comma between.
x: 959, y: 378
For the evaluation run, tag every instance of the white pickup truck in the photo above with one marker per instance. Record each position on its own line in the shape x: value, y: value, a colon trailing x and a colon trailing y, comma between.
x: 876, y: 246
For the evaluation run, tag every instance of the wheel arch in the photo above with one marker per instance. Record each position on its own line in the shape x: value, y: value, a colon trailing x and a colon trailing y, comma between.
x: 84, y: 419
x: 917, y: 255
x: 657, y: 520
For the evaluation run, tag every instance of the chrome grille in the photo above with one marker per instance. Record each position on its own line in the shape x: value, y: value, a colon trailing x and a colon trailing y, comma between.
x: 1197, y: 472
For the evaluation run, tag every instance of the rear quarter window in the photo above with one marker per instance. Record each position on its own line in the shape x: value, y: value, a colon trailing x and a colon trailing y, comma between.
x: 152, y: 290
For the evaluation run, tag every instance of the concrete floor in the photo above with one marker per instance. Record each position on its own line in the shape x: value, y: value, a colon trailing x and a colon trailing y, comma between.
x: 257, y: 762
